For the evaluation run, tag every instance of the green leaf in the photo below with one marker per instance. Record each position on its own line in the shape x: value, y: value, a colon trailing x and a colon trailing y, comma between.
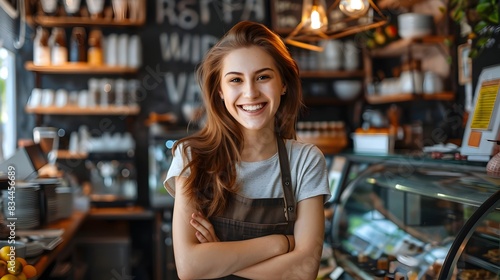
x: 484, y: 8
x: 493, y: 18
x: 480, y: 25
x: 458, y: 15
x: 481, y: 42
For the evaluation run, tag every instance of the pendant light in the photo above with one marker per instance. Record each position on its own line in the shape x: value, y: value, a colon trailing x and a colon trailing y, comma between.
x: 314, y: 14
x: 354, y: 8
x: 341, y: 19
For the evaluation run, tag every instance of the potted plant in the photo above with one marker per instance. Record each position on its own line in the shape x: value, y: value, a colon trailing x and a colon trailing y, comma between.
x: 481, y: 20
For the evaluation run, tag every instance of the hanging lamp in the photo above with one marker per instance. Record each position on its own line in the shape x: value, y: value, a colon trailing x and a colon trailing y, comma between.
x: 341, y: 19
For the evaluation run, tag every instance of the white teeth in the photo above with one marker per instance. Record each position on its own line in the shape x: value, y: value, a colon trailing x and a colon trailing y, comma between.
x: 252, y: 107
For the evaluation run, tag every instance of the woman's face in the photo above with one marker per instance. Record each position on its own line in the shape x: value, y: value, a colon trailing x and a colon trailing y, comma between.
x: 251, y: 87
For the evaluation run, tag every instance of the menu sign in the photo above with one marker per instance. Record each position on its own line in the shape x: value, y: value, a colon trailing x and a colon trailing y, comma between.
x: 185, y: 31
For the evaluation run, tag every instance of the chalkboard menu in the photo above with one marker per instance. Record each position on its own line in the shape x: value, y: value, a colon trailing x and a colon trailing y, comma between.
x: 176, y: 36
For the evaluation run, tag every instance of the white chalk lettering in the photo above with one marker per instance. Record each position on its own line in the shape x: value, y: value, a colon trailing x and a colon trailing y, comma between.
x: 184, y: 88
x: 188, y: 14
x: 188, y: 49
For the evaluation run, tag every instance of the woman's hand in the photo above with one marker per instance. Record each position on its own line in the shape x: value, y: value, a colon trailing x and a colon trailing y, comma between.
x: 204, y: 229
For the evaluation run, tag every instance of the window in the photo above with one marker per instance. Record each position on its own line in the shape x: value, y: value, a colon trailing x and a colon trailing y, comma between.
x: 7, y: 104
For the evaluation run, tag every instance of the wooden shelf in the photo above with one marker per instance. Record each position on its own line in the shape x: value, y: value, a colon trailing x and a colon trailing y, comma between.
x: 54, y: 21
x: 387, y: 4
x: 121, y: 213
x: 400, y: 47
x: 326, y: 101
x: 75, y: 110
x: 79, y: 68
x: 332, y: 74
x: 405, y: 97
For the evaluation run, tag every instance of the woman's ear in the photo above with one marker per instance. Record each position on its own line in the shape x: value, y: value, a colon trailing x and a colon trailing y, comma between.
x: 283, y: 92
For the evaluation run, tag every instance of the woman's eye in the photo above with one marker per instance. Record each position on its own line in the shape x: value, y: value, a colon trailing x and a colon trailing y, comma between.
x: 235, y: 80
x: 263, y: 77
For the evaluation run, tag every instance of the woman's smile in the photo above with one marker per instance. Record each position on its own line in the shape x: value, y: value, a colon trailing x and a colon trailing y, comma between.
x: 253, y: 108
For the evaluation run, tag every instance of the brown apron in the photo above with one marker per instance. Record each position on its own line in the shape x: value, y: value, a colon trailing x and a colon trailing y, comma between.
x: 247, y: 218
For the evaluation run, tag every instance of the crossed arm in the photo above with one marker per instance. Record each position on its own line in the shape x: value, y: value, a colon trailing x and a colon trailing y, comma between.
x: 198, y: 254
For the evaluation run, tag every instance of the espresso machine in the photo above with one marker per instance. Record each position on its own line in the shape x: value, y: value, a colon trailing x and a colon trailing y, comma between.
x: 113, y: 178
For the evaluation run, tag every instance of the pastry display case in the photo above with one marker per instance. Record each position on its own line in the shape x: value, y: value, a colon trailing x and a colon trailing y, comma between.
x: 415, y: 220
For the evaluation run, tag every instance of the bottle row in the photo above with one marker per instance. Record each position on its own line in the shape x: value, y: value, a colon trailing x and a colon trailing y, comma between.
x: 101, y: 92
x: 112, y: 50
x: 118, y: 10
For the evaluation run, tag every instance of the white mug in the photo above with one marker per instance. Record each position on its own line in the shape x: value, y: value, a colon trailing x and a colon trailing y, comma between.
x: 122, y: 49
x: 71, y: 6
x: 134, y: 51
x: 110, y: 50
x: 432, y: 83
x: 47, y: 97
x: 95, y: 7
x: 49, y: 6
x: 35, y: 98
x: 83, y: 99
x: 61, y: 98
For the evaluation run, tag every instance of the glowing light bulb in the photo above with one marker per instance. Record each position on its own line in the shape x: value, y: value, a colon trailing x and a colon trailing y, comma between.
x: 357, y: 5
x: 315, y: 19
x: 354, y: 8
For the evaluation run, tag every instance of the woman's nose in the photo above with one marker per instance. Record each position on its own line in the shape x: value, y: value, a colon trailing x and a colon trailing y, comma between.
x: 251, y: 90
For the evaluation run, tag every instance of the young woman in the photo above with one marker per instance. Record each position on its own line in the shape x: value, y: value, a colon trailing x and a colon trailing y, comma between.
x: 248, y: 197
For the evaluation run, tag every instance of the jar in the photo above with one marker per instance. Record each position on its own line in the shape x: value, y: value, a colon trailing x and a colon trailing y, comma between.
x: 95, y: 47
x: 58, y: 48
x: 411, y: 79
x: 41, y: 48
x: 77, y: 45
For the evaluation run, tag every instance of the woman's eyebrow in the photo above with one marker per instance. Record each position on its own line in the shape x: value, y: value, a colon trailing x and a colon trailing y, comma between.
x: 258, y: 71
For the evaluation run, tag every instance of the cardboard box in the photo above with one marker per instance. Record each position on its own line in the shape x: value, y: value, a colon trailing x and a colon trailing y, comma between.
x: 380, y: 143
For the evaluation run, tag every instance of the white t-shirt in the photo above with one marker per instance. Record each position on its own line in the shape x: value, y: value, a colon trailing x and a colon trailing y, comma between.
x: 262, y: 179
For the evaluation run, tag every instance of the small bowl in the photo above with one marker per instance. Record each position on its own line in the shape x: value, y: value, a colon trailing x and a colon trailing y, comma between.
x: 415, y: 25
x: 347, y: 89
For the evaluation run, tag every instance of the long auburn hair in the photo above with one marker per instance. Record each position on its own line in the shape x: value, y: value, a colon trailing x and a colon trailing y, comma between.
x: 213, y: 152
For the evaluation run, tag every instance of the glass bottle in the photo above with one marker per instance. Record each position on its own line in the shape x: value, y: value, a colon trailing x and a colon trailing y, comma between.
x: 58, y: 48
x: 95, y: 47
x: 77, y: 45
x: 41, y: 48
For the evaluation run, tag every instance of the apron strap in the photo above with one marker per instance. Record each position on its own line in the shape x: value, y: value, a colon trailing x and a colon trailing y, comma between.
x: 286, y: 181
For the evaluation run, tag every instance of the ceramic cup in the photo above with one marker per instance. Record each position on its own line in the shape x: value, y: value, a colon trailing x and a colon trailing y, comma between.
x: 111, y: 50
x: 49, y: 6
x: 71, y: 6
x: 47, y: 97
x: 432, y: 83
x: 134, y: 9
x: 119, y: 9
x: 61, y: 98
x: 122, y: 49
x: 134, y: 52
x: 35, y: 98
x: 95, y: 7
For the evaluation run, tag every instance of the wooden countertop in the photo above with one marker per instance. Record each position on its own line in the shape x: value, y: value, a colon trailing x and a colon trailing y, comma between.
x: 73, y: 223
x: 70, y: 226
x: 121, y: 213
